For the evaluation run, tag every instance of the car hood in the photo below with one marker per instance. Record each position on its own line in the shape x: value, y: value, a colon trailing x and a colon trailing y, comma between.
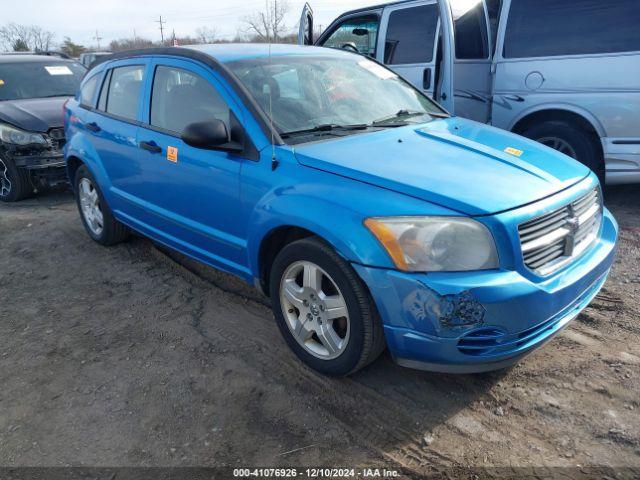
x: 459, y: 164
x: 34, y: 115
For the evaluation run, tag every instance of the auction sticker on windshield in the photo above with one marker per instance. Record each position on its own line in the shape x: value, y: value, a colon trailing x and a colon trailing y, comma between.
x: 59, y: 70
x: 377, y: 70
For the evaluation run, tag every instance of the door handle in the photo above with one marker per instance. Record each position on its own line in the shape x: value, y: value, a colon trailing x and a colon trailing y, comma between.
x: 93, y: 127
x: 152, y: 147
x: 426, y: 79
x: 514, y: 98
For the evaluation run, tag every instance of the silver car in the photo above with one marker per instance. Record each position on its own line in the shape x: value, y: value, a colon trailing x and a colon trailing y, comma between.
x: 565, y: 73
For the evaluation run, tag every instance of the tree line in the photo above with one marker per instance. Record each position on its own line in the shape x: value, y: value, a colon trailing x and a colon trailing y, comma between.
x: 263, y: 26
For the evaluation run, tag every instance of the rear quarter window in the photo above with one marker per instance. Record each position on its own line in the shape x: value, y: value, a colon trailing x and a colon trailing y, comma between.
x: 545, y: 28
x: 88, y: 91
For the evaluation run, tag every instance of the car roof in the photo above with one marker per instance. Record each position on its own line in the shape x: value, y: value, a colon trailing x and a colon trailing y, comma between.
x: 28, y: 58
x: 231, y: 52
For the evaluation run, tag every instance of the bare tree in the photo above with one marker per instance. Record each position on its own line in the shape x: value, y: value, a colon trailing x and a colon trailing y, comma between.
x: 42, y: 40
x: 207, y: 35
x: 130, y: 44
x: 268, y: 25
x: 34, y: 37
x: 13, y: 34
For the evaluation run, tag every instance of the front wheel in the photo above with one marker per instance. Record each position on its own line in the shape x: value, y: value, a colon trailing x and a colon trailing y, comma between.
x: 323, y: 310
x: 15, y: 183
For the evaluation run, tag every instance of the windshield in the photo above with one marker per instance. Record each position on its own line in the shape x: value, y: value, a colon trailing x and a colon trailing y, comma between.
x: 22, y: 80
x: 325, y: 93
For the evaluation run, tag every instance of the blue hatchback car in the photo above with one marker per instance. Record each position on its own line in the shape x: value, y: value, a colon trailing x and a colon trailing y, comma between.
x: 368, y: 215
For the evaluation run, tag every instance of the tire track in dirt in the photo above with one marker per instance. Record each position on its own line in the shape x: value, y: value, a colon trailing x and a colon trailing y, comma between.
x: 370, y: 417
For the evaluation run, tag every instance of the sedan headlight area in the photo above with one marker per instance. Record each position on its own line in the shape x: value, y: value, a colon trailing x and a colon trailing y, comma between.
x: 15, y: 136
x: 435, y: 244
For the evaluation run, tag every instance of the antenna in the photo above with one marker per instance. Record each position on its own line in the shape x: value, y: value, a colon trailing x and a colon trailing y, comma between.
x: 274, y: 160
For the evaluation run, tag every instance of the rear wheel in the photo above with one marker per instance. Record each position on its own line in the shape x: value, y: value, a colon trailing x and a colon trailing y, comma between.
x: 97, y: 218
x: 15, y: 183
x: 323, y: 310
x: 570, y: 140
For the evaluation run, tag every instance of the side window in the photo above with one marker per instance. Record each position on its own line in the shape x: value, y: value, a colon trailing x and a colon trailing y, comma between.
x: 358, y: 32
x: 494, y: 7
x: 289, y: 84
x: 88, y: 91
x: 470, y: 25
x: 104, y: 92
x: 124, y: 91
x: 181, y: 97
x: 411, y: 35
x: 544, y: 28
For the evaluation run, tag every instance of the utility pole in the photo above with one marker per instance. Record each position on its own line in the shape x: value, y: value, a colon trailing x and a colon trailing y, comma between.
x: 161, y: 22
x: 97, y: 38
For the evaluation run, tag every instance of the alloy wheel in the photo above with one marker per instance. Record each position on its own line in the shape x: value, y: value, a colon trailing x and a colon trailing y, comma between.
x: 560, y: 145
x: 90, y: 206
x: 315, y: 310
x: 5, y: 183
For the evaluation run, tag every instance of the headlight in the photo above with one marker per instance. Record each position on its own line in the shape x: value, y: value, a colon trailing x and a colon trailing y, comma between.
x: 435, y: 244
x: 15, y: 136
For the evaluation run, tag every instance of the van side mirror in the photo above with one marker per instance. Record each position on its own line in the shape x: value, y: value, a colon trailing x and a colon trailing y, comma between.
x: 360, y: 32
x: 210, y: 135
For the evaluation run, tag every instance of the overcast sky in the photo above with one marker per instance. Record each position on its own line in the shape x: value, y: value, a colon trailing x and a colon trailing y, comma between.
x: 79, y: 19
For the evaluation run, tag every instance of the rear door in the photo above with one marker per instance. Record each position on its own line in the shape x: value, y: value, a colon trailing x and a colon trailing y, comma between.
x: 409, y: 41
x: 113, y: 129
x: 191, y: 196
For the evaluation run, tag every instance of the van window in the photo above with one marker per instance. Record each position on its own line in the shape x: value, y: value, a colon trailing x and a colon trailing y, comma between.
x: 411, y: 35
x: 181, y: 98
x: 357, y: 32
x: 88, y: 91
x: 541, y: 28
x: 470, y: 24
x: 124, y: 91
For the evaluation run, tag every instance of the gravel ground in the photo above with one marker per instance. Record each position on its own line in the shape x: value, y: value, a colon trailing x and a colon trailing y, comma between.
x: 126, y: 357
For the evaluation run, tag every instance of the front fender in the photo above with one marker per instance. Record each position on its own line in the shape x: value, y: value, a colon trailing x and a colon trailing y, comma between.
x: 318, y: 210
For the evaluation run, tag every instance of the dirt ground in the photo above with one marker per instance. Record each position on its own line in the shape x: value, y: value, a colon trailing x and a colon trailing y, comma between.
x: 123, y: 357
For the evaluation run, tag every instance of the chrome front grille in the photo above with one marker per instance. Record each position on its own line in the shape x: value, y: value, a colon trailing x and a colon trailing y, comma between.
x: 554, y: 239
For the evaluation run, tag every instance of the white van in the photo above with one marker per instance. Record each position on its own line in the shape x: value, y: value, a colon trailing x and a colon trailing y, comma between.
x: 565, y: 73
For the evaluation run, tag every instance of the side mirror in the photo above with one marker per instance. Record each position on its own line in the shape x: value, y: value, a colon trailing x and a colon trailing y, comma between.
x: 360, y: 32
x: 211, y: 135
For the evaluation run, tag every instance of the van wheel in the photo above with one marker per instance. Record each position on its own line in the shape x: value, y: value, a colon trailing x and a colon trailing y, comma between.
x: 15, y: 183
x: 323, y: 310
x: 97, y: 218
x: 570, y: 140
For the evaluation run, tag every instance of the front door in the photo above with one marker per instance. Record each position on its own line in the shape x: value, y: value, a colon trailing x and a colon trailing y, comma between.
x: 305, y: 30
x: 193, y: 195
x: 472, y: 66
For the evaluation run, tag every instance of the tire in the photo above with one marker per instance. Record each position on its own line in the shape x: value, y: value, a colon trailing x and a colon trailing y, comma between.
x: 111, y: 231
x: 359, y: 333
x: 572, y: 141
x: 15, y: 183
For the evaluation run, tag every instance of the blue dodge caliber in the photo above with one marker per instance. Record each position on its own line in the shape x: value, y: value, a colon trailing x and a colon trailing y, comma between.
x: 368, y: 215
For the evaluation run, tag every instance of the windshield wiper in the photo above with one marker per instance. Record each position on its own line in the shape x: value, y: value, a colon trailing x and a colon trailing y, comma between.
x: 328, y: 127
x: 401, y: 114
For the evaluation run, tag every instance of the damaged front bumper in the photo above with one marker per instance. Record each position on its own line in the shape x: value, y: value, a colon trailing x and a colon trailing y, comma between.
x: 480, y: 321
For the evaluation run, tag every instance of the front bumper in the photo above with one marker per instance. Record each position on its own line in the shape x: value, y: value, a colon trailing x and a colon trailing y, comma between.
x: 481, y: 321
x: 38, y: 162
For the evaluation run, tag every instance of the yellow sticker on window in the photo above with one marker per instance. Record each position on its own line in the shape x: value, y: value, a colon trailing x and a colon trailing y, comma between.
x: 1, y: 82
x: 172, y: 154
x: 514, y: 151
